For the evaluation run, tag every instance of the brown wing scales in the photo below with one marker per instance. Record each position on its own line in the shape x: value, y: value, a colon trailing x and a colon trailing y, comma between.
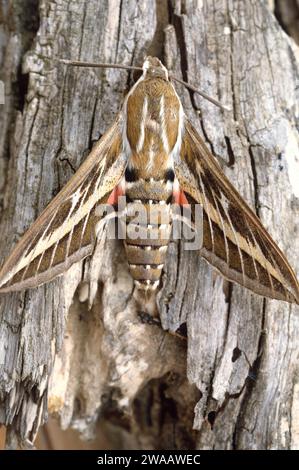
x: 65, y: 231
x: 234, y: 240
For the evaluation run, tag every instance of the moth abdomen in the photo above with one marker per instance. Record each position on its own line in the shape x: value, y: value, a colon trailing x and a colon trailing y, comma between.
x: 154, y: 190
x: 146, y: 261
x: 148, y: 230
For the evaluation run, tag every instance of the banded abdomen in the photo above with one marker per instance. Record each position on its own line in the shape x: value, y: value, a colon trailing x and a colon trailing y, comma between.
x: 148, y: 228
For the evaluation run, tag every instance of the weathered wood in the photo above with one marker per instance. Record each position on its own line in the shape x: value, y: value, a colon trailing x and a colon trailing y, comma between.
x: 238, y: 369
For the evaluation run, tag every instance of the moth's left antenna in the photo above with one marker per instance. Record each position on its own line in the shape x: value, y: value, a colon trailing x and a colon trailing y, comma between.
x: 200, y: 92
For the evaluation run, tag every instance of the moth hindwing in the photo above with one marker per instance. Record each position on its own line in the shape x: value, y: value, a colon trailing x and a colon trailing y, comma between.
x: 154, y: 157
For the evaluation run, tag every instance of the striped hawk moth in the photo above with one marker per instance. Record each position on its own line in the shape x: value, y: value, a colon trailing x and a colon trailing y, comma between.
x: 152, y: 155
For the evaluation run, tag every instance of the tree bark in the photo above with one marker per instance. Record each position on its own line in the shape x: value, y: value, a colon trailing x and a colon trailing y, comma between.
x: 234, y: 383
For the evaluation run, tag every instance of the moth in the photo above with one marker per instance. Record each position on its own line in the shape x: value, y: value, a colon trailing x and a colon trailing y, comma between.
x: 152, y: 155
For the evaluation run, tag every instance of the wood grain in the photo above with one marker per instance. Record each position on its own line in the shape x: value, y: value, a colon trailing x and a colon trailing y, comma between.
x: 241, y: 358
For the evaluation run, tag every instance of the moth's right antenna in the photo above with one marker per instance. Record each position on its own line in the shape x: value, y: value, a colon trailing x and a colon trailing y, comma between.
x: 78, y: 63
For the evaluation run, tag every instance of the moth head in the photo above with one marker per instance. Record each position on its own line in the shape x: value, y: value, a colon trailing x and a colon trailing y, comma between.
x: 153, y: 68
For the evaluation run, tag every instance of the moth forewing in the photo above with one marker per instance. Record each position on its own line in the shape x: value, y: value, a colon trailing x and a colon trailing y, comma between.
x: 234, y: 240
x: 65, y: 231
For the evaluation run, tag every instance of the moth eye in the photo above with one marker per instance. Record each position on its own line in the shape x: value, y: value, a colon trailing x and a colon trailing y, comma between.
x: 169, y: 175
x: 130, y: 175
